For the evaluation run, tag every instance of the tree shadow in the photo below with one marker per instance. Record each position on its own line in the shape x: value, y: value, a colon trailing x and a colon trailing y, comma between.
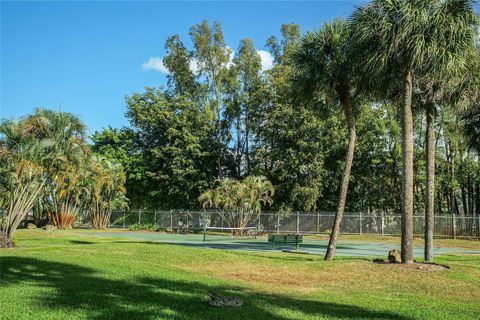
x: 77, y: 288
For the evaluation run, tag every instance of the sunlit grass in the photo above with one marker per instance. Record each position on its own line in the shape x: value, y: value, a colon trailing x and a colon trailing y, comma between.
x: 63, y: 275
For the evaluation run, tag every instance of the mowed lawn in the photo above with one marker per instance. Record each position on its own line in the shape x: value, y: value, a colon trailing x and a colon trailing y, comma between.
x: 64, y: 275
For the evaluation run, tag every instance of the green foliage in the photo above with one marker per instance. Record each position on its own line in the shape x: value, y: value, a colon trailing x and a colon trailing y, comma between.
x: 177, y: 146
x: 47, y: 167
x: 145, y: 227
x: 239, y: 201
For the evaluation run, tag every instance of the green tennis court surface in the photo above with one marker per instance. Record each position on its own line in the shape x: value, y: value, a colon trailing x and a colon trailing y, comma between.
x: 344, y: 247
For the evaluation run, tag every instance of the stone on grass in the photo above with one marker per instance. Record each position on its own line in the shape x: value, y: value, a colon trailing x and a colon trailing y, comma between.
x: 218, y: 300
x: 50, y: 227
x: 394, y: 256
x: 31, y: 226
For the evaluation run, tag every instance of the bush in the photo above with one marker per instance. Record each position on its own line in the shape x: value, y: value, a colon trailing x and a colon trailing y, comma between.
x: 145, y: 227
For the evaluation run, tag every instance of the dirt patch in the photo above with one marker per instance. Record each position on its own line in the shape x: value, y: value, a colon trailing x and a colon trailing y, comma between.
x: 413, y: 266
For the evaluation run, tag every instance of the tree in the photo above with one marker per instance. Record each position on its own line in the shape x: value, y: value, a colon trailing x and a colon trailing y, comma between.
x: 239, y: 202
x: 178, y: 144
x: 289, y: 137
x: 212, y: 57
x: 406, y: 37
x: 126, y: 147
x: 453, y: 25
x: 243, y: 83
x: 323, y: 67
x: 64, y: 158
x: 105, y: 189
x: 22, y: 177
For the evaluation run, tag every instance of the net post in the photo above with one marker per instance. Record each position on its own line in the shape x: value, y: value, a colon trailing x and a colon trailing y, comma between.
x: 478, y: 225
x: 454, y: 223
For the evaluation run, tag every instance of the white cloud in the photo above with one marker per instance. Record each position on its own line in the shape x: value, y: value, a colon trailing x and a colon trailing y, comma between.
x: 194, y: 67
x: 155, y: 63
x: 267, y: 59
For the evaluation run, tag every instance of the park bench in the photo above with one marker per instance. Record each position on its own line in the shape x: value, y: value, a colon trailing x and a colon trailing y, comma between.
x: 295, y: 239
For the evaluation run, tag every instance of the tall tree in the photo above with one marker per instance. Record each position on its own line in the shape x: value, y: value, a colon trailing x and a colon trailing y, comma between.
x: 244, y: 81
x: 453, y: 28
x: 212, y: 58
x: 406, y: 36
x: 323, y: 67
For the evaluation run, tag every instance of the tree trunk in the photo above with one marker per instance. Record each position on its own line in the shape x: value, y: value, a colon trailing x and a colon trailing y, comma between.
x: 348, y: 109
x: 407, y: 170
x: 430, y: 181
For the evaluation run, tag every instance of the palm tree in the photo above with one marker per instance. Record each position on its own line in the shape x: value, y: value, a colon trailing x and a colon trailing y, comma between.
x: 22, y: 175
x: 238, y: 201
x: 409, y: 36
x: 65, y: 159
x: 104, y: 186
x: 323, y: 66
x: 454, y: 24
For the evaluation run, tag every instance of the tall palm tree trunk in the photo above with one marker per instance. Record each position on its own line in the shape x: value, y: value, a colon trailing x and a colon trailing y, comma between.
x: 332, y: 244
x: 430, y: 180
x: 407, y: 170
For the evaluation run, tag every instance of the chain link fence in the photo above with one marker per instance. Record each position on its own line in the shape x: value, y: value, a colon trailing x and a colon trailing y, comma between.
x: 448, y: 226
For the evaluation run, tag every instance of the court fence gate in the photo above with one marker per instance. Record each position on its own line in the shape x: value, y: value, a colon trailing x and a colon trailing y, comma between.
x: 321, y: 222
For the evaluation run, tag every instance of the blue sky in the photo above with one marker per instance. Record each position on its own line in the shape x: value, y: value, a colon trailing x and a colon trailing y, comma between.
x: 85, y: 57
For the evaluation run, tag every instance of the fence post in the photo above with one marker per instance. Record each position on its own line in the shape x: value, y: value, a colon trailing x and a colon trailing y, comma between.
x: 140, y: 216
x: 454, y: 223
x: 478, y: 226
x: 123, y: 227
x: 155, y: 217
x: 171, y: 220
x: 278, y: 222
x: 383, y: 224
x: 298, y: 222
x: 361, y: 231
x: 318, y: 223
x: 258, y: 225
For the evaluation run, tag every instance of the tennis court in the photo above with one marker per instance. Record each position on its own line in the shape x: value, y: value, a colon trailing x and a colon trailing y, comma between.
x: 311, y: 246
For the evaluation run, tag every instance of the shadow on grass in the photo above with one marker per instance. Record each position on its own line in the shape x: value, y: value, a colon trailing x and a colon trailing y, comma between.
x: 77, y: 288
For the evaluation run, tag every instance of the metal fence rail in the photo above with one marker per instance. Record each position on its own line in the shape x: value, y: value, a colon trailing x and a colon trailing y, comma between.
x: 450, y: 226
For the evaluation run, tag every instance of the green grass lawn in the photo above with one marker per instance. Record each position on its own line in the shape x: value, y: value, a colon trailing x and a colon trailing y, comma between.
x: 63, y: 275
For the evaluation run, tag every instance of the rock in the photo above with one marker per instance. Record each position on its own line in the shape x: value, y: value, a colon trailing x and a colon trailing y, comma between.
x: 31, y: 226
x: 50, y: 227
x: 6, y: 242
x: 218, y: 300
x: 394, y: 256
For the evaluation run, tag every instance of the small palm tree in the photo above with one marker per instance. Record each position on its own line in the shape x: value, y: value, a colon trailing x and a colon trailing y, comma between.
x: 323, y: 66
x: 105, y: 191
x: 22, y: 175
x: 239, y: 201
x: 64, y: 157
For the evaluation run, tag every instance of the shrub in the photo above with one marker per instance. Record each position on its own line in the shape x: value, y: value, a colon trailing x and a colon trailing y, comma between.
x: 145, y: 227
